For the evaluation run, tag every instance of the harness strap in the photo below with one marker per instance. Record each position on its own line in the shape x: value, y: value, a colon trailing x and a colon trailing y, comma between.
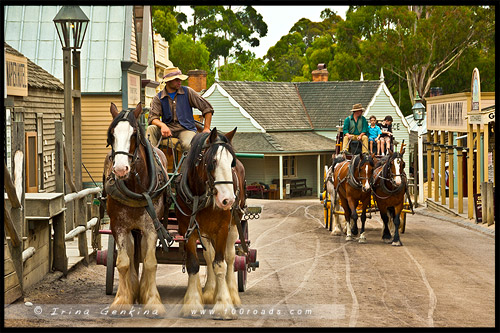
x: 235, y: 209
x: 164, y: 236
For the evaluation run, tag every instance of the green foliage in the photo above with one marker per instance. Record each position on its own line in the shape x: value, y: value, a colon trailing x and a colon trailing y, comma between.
x: 167, y: 21
x: 249, y: 70
x: 187, y: 54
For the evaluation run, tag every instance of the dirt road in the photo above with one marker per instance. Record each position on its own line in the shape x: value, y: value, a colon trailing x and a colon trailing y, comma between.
x: 443, y: 276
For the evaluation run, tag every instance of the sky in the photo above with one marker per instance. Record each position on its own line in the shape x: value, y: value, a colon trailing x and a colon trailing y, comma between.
x: 280, y: 19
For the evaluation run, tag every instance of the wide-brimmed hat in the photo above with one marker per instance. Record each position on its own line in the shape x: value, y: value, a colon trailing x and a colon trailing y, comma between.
x: 172, y: 73
x: 357, y: 107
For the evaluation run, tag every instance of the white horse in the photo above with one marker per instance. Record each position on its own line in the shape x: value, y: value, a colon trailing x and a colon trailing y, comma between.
x: 338, y: 229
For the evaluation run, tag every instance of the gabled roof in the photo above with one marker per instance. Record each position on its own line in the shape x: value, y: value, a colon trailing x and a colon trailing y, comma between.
x: 274, y: 105
x: 37, y: 76
x: 327, y: 102
x: 282, y: 142
x: 278, y: 106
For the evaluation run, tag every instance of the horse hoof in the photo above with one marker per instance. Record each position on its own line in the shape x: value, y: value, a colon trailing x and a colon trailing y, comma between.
x: 155, y: 311
x: 348, y: 238
x: 336, y: 232
x: 192, y: 311
x: 387, y: 240
x: 362, y: 240
x: 398, y: 243
x: 224, y: 312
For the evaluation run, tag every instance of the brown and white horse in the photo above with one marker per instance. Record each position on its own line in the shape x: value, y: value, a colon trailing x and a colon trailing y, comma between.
x: 351, y: 182
x: 131, y: 225
x: 210, y: 195
x: 389, y: 188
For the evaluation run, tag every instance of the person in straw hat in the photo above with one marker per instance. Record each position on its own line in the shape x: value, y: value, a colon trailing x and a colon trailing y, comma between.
x: 355, y: 128
x: 171, y: 113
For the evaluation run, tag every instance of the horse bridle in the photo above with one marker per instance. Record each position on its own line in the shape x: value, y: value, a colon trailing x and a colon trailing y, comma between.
x: 355, y: 183
x: 387, y: 175
x: 133, y: 156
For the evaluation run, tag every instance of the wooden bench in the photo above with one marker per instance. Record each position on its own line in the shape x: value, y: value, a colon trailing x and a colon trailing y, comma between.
x: 298, y: 187
x: 256, y: 191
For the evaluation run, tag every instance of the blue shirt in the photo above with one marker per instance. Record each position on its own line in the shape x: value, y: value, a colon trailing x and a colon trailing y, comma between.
x: 373, y: 132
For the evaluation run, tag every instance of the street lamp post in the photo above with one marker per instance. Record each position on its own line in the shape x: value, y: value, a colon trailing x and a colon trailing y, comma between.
x: 418, y: 114
x: 71, y: 24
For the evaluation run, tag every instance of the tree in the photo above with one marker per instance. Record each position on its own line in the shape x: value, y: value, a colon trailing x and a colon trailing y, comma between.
x: 286, y: 57
x: 167, y: 21
x: 416, y: 43
x: 225, y: 31
x: 187, y: 54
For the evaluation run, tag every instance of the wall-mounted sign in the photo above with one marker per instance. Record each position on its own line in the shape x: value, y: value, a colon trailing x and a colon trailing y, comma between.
x: 448, y: 116
x: 134, y: 89
x: 16, y: 75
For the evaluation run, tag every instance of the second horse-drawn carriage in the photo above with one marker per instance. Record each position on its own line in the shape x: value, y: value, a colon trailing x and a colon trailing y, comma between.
x: 365, y: 183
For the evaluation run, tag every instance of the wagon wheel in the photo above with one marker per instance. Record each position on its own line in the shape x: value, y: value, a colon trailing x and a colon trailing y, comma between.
x: 242, y: 277
x: 332, y: 207
x: 110, y: 265
x: 242, y: 273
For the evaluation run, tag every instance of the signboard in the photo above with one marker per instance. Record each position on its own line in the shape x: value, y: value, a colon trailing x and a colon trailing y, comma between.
x: 16, y: 69
x: 134, y: 89
x: 447, y: 115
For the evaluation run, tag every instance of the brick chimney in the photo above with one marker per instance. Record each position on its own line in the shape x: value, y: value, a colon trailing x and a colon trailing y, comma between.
x: 320, y: 74
x: 197, y: 79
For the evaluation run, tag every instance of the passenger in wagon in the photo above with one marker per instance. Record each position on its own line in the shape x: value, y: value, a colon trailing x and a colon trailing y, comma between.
x: 385, y: 137
x: 356, y: 128
x: 374, y: 134
x: 171, y: 113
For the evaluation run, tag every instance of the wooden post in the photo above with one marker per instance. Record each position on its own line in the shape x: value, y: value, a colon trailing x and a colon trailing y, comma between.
x: 489, y: 205
x: 19, y: 180
x: 442, y: 154
x: 451, y: 178
x: 486, y: 136
x: 478, y: 158
x: 470, y: 172
x: 416, y: 172
x: 60, y: 261
x: 460, y: 175
x: 429, y: 165
x: 436, y: 167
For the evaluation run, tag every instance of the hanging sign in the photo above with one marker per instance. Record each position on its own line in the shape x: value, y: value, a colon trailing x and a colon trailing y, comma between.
x: 16, y: 69
x: 474, y: 116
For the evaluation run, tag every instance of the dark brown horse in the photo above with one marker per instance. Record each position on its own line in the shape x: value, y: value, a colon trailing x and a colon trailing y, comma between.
x: 131, y: 169
x: 389, y: 188
x: 210, y: 195
x: 351, y: 182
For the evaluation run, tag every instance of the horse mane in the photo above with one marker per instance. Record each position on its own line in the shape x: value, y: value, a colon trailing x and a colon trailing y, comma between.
x: 198, y: 144
x: 384, y: 160
x: 131, y: 119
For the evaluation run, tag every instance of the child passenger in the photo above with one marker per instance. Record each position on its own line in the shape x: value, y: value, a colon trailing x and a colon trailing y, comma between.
x: 374, y: 132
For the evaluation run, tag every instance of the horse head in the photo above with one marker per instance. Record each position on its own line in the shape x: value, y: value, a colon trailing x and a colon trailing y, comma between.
x: 365, y: 167
x: 397, y: 165
x: 123, y: 139
x: 214, y: 166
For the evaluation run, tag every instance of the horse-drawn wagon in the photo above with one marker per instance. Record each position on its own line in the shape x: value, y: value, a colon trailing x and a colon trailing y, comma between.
x: 362, y: 183
x: 189, y: 212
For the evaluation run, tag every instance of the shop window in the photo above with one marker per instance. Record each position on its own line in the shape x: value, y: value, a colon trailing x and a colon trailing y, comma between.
x: 289, y: 167
x: 31, y: 163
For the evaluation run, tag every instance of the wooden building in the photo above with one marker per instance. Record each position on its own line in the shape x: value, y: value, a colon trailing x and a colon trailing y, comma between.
x: 34, y: 101
x: 117, y: 64
x: 295, y: 124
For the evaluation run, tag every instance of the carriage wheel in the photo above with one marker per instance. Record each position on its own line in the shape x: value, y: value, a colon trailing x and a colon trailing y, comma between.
x: 110, y: 265
x: 242, y: 276
x: 332, y: 207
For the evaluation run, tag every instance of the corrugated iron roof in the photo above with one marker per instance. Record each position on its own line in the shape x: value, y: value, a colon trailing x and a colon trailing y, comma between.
x: 37, y: 76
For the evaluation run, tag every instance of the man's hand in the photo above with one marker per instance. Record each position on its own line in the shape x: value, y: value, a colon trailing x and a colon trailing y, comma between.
x: 206, y: 130
x: 165, y: 131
